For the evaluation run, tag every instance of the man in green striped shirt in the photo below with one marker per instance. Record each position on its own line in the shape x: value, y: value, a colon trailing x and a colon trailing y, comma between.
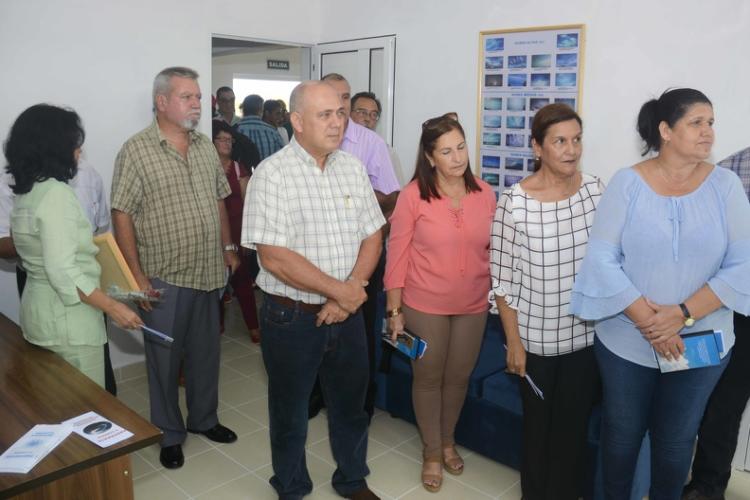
x: 170, y: 222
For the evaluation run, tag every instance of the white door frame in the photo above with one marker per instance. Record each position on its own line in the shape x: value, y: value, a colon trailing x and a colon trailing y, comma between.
x: 363, y: 47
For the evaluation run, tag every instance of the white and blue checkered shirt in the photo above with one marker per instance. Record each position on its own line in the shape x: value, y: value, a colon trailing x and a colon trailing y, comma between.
x: 322, y: 214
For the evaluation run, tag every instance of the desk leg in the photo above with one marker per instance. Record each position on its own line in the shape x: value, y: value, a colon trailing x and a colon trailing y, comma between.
x: 112, y: 480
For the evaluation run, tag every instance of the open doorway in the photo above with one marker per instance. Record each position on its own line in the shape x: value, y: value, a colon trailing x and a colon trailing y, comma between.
x: 268, y: 69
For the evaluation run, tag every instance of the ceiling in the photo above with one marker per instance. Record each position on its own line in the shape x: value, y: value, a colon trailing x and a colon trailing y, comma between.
x: 223, y: 46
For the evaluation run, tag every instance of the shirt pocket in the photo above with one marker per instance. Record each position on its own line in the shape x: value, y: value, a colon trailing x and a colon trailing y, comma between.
x: 348, y: 211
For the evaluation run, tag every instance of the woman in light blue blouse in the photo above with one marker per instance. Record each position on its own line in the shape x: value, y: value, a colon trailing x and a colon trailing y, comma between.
x: 669, y: 254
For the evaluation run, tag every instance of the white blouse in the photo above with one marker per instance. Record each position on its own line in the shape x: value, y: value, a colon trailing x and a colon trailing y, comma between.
x: 537, y: 248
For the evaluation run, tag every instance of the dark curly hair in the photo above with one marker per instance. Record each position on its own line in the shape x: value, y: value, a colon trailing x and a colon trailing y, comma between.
x: 41, y: 145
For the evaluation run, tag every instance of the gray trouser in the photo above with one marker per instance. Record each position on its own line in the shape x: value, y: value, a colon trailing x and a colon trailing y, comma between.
x: 191, y: 317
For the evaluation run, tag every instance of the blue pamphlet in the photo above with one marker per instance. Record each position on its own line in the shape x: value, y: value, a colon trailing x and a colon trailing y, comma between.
x: 409, y: 343
x: 701, y: 349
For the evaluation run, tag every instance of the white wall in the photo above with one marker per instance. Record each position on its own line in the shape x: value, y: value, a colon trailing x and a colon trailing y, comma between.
x: 635, y: 49
x: 100, y: 57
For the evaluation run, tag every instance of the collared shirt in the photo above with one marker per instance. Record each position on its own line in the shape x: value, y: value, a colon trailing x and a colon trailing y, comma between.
x: 89, y: 190
x: 263, y: 135
x: 321, y: 214
x: 88, y: 187
x: 739, y: 163
x: 234, y: 121
x: 174, y: 206
x: 372, y: 150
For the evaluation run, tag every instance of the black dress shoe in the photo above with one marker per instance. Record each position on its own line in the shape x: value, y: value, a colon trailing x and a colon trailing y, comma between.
x: 218, y: 433
x: 363, y: 494
x: 171, y: 457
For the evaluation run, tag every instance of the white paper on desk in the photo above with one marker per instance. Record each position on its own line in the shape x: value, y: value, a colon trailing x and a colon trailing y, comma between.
x: 32, y: 447
x: 98, y: 429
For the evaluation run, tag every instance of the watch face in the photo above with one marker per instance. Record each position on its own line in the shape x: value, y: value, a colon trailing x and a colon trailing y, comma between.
x: 689, y: 322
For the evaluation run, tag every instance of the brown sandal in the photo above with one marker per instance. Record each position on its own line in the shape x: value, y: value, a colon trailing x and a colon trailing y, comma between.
x: 431, y: 482
x: 454, y: 464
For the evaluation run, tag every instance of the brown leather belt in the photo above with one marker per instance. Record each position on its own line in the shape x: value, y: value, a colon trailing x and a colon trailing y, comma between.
x: 286, y: 301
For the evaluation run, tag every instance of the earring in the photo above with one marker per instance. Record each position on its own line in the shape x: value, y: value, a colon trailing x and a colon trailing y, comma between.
x: 537, y: 158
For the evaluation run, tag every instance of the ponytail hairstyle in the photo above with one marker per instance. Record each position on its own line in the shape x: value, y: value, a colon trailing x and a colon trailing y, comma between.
x: 669, y: 107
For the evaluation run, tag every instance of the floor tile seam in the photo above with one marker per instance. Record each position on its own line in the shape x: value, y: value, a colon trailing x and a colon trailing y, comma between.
x: 412, y: 459
x: 188, y: 496
x: 248, y: 473
x: 506, y: 490
x: 477, y: 489
x: 319, y: 457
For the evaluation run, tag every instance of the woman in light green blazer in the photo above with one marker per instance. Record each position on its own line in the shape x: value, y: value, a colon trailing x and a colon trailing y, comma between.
x: 61, y: 306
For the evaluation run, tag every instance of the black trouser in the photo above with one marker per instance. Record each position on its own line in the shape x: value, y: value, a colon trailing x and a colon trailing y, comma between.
x: 717, y: 436
x: 369, y: 313
x: 553, y: 461
x: 109, y: 374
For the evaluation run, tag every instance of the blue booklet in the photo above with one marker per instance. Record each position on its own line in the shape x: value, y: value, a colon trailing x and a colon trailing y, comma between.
x: 701, y: 349
x: 409, y: 343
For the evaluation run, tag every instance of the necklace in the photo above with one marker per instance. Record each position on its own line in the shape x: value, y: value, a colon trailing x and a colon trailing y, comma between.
x: 671, y: 181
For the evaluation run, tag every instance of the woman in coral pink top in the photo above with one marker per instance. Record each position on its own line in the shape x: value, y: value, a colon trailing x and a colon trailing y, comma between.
x: 437, y: 279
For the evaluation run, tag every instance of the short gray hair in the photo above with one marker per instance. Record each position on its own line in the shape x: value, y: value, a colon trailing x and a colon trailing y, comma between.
x: 162, y: 82
x: 334, y: 77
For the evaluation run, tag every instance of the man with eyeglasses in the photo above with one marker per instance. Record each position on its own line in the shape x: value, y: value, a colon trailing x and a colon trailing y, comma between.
x: 225, y: 99
x: 366, y: 110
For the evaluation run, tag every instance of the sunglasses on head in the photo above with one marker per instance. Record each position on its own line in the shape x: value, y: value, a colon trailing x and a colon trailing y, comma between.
x: 453, y: 116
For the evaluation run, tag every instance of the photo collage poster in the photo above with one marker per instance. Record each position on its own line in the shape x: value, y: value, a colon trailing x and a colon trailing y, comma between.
x: 522, y: 71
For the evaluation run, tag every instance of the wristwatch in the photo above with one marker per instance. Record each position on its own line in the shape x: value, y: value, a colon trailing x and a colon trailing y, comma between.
x: 392, y: 313
x: 231, y: 247
x: 689, y: 320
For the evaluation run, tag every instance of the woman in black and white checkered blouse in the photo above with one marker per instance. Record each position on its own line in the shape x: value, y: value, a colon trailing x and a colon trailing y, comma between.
x: 539, y: 237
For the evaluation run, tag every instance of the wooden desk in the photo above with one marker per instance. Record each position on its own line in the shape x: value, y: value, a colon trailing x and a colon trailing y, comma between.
x: 39, y: 387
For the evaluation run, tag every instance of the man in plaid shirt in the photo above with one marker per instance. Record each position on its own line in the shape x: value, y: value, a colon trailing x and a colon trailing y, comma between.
x: 171, y: 224
x: 717, y: 437
x: 265, y: 136
x: 313, y: 217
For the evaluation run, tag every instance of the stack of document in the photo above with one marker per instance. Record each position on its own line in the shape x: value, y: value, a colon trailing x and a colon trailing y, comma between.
x: 702, y: 349
x: 36, y: 444
x: 97, y: 429
x: 409, y: 343
x: 33, y: 446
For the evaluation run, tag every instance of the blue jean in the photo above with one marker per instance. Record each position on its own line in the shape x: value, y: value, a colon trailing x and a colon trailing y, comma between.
x: 295, y: 351
x: 669, y: 406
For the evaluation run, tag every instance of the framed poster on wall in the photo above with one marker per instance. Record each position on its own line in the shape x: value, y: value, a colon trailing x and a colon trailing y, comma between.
x: 520, y: 71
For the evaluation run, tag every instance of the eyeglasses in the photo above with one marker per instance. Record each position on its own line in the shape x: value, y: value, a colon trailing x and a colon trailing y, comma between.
x: 453, y: 116
x: 375, y: 115
x: 225, y: 140
x: 225, y: 99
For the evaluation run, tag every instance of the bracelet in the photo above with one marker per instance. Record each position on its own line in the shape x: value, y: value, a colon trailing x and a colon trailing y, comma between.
x: 362, y: 283
x: 392, y: 313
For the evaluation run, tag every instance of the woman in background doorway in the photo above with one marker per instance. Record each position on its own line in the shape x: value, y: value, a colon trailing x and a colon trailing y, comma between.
x: 238, y: 176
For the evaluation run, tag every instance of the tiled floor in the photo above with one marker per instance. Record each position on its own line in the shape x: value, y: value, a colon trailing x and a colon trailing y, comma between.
x: 241, y: 470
